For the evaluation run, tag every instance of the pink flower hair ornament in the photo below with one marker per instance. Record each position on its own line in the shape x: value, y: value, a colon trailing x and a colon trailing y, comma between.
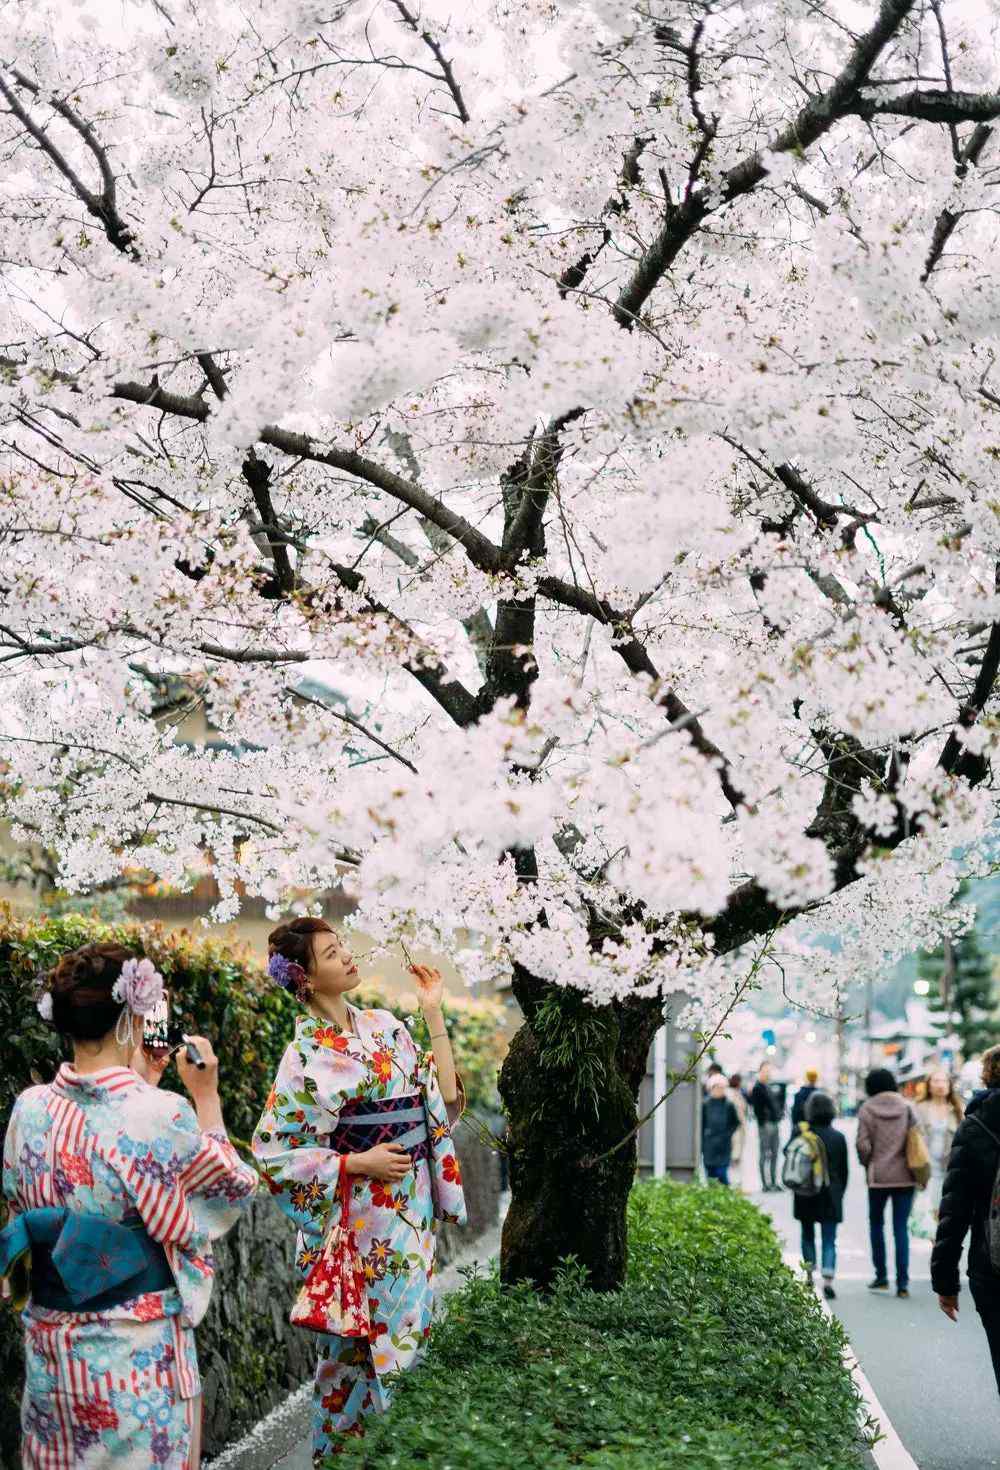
x: 139, y: 987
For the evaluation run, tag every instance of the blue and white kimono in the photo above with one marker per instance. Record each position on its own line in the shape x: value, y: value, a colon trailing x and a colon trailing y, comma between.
x: 339, y: 1093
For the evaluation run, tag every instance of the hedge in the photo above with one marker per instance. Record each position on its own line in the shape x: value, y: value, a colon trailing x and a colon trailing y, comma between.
x: 713, y: 1355
x: 220, y: 992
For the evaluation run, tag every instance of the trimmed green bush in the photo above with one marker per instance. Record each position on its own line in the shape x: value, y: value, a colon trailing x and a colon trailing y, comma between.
x: 713, y: 1355
x: 219, y: 991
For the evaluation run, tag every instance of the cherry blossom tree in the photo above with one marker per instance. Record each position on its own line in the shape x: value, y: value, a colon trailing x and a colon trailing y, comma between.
x: 602, y: 395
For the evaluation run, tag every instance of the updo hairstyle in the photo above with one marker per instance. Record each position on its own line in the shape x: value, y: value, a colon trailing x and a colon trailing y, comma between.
x: 80, y: 985
x: 294, y: 940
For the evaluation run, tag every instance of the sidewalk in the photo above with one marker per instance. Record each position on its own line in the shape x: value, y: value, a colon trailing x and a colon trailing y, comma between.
x: 282, y: 1441
x: 932, y: 1377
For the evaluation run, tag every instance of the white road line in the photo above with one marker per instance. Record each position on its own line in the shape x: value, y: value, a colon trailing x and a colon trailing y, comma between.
x: 890, y: 1453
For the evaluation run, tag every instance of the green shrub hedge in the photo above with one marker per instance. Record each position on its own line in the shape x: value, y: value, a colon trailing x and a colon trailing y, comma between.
x: 220, y: 992
x: 712, y: 1356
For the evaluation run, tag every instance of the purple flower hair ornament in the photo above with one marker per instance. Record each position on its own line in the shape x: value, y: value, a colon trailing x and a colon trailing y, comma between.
x: 285, y: 973
x: 139, y: 987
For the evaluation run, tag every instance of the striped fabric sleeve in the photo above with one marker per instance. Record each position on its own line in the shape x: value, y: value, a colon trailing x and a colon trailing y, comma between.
x: 187, y: 1184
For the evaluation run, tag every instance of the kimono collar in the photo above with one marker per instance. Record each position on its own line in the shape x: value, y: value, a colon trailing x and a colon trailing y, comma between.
x: 109, y: 1081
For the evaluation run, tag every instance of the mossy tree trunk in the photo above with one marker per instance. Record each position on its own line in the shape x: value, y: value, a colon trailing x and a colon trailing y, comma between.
x: 570, y: 1087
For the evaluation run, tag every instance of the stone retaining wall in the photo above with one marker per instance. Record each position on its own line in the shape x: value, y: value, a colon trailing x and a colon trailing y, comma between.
x: 251, y: 1358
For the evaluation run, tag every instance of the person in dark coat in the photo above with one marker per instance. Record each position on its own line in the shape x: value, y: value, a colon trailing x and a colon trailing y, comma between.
x: 802, y: 1097
x: 965, y: 1208
x: 719, y: 1121
x: 767, y: 1099
x: 825, y: 1209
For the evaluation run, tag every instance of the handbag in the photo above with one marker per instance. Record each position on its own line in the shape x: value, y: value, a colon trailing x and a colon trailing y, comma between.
x: 334, y: 1296
x: 918, y: 1160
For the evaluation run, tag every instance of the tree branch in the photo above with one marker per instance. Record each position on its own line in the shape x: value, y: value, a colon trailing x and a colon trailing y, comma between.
x: 811, y: 122
x: 935, y: 106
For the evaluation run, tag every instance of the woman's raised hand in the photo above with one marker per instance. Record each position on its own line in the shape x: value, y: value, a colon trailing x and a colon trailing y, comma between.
x: 430, y: 987
x: 388, y: 1162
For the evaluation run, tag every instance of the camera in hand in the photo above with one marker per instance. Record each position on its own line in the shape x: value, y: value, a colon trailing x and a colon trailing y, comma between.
x: 160, y: 1033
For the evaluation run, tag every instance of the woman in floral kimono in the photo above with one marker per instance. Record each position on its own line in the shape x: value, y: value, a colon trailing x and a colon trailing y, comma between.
x: 350, y: 1084
x: 115, y: 1191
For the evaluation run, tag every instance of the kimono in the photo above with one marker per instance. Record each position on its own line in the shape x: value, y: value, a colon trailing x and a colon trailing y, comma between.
x: 119, y: 1386
x: 324, y: 1076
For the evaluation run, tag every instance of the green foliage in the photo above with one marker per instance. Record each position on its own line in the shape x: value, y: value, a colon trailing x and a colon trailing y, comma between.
x: 219, y: 991
x: 971, y: 989
x: 713, y: 1355
x: 576, y: 1038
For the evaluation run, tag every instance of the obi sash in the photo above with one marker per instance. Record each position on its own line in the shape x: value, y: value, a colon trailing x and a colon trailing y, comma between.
x: 65, y: 1261
x: 365, y: 1121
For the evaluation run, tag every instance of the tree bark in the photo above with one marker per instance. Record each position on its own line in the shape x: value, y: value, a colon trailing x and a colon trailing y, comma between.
x: 569, y: 1097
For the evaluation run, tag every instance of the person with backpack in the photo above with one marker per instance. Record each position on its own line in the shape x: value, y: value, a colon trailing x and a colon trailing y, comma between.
x: 885, y: 1122
x: 970, y: 1185
x: 815, y: 1170
x: 719, y: 1121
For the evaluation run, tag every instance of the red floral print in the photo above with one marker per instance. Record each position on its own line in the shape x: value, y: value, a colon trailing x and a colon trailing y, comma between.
x: 77, y: 1170
x: 329, y: 1037
x: 96, y: 1414
x: 451, y: 1169
x: 147, y: 1308
x: 381, y: 1065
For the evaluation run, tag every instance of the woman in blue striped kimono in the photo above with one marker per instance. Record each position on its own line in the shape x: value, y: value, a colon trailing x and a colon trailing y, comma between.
x: 115, y: 1191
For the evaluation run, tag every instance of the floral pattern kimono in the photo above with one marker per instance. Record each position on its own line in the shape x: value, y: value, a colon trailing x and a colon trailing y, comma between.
x: 120, y: 1387
x: 323, y: 1074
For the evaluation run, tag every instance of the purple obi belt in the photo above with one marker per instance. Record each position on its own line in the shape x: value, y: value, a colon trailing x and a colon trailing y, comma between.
x: 366, y: 1121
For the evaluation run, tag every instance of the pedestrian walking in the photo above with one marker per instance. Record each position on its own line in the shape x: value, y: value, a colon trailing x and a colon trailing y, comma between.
x: 767, y: 1101
x: 719, y: 1122
x: 355, y: 1144
x: 823, y: 1207
x: 939, y: 1115
x: 802, y: 1097
x: 884, y: 1123
x: 115, y: 1192
x: 965, y: 1209
x: 713, y: 1070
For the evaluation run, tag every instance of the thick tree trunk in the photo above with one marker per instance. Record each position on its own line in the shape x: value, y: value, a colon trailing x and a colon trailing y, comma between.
x: 570, y: 1084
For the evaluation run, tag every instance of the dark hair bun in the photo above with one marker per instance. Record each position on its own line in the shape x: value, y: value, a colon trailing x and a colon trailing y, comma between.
x: 294, y: 940
x: 81, y: 984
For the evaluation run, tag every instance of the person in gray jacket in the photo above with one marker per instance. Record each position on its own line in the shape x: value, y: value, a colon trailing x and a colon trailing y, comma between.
x: 883, y: 1123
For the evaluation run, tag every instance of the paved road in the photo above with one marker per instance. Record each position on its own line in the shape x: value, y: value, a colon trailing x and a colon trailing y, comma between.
x: 932, y: 1377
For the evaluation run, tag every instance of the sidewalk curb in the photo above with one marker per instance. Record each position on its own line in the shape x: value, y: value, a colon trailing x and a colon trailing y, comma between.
x: 890, y: 1453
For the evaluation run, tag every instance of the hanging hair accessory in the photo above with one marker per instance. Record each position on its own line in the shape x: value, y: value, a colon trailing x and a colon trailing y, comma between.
x: 139, y: 987
x: 44, y: 1004
x: 286, y: 973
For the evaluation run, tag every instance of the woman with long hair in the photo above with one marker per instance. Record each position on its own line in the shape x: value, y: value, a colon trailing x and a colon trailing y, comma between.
x: 115, y: 1191
x: 358, y: 1123
x: 938, y: 1114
